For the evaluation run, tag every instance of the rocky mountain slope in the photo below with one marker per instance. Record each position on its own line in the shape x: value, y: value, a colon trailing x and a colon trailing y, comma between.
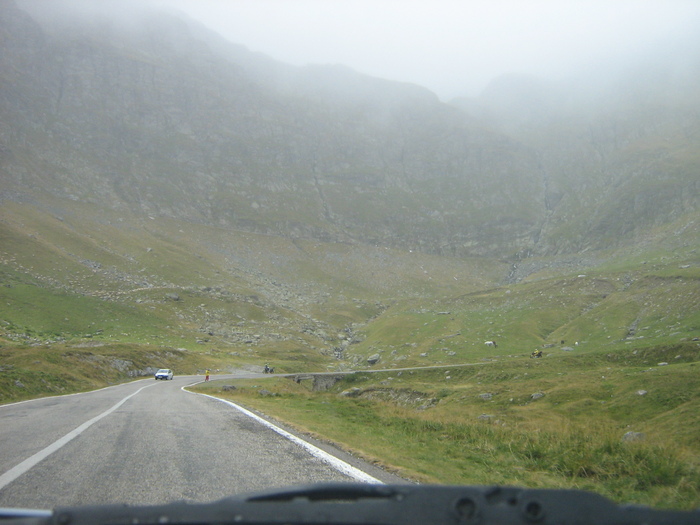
x: 163, y: 123
x: 151, y: 114
x: 619, y: 150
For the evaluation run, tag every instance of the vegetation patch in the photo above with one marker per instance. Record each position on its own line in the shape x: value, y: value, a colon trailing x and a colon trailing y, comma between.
x: 28, y: 372
x: 93, y: 297
x: 628, y: 432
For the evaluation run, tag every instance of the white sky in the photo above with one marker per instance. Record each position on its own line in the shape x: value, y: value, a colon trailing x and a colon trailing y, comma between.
x: 453, y: 47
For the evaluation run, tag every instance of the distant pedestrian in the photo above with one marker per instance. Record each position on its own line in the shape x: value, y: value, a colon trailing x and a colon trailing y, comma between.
x: 207, y: 378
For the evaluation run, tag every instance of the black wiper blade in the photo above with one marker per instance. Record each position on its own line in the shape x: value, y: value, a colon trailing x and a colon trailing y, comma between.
x: 332, y: 492
x: 361, y: 504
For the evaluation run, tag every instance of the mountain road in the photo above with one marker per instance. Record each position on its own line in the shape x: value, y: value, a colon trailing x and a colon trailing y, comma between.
x: 149, y: 442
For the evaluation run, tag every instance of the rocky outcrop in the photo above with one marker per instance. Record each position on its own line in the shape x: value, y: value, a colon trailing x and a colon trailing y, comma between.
x: 167, y: 120
x: 153, y: 114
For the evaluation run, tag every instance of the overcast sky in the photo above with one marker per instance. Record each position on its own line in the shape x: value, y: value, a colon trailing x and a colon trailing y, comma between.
x: 453, y: 47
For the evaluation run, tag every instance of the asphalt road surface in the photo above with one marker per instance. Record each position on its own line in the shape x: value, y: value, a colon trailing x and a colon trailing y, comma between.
x: 151, y: 442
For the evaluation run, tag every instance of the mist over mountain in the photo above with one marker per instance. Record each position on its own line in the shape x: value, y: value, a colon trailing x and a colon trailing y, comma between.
x: 619, y: 147
x: 150, y: 113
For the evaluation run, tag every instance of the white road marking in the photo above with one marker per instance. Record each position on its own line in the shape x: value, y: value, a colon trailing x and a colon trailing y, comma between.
x: 338, y: 464
x: 16, y: 471
x: 15, y: 403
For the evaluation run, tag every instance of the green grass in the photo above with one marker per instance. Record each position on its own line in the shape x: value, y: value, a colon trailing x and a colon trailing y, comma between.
x: 434, y: 425
x: 636, y: 308
x: 31, y: 312
x: 80, y: 296
x: 27, y: 372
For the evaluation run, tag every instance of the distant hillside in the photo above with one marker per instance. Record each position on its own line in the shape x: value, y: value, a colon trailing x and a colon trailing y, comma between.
x: 152, y: 114
x: 619, y: 150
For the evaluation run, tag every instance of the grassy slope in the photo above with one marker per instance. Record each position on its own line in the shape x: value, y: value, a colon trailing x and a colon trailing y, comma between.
x: 84, y: 292
x: 72, y: 273
x: 27, y: 372
x: 485, y: 424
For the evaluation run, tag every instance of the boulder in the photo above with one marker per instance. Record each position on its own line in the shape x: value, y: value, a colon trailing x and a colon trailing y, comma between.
x: 351, y: 392
x: 633, y: 436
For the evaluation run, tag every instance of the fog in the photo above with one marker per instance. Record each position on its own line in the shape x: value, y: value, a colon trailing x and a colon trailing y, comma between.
x: 453, y: 47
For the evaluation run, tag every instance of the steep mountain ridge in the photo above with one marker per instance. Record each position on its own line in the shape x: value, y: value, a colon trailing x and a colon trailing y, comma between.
x: 619, y: 150
x: 153, y: 114
x: 170, y: 127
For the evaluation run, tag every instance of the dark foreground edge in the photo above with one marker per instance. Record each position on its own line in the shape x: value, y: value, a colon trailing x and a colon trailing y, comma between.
x: 352, y: 503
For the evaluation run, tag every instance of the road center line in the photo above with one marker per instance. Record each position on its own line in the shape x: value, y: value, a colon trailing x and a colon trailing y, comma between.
x: 324, y: 456
x: 16, y: 471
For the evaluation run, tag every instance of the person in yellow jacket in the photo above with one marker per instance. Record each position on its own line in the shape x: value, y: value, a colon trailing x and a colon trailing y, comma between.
x: 207, y: 378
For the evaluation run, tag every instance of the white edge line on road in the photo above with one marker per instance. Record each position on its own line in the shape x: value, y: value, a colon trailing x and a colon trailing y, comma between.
x: 16, y: 471
x: 324, y: 456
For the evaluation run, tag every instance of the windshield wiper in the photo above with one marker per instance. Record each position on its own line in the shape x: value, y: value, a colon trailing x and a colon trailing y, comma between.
x: 375, y: 505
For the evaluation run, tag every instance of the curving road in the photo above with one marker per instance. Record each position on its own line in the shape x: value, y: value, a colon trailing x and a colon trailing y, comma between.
x: 150, y: 442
